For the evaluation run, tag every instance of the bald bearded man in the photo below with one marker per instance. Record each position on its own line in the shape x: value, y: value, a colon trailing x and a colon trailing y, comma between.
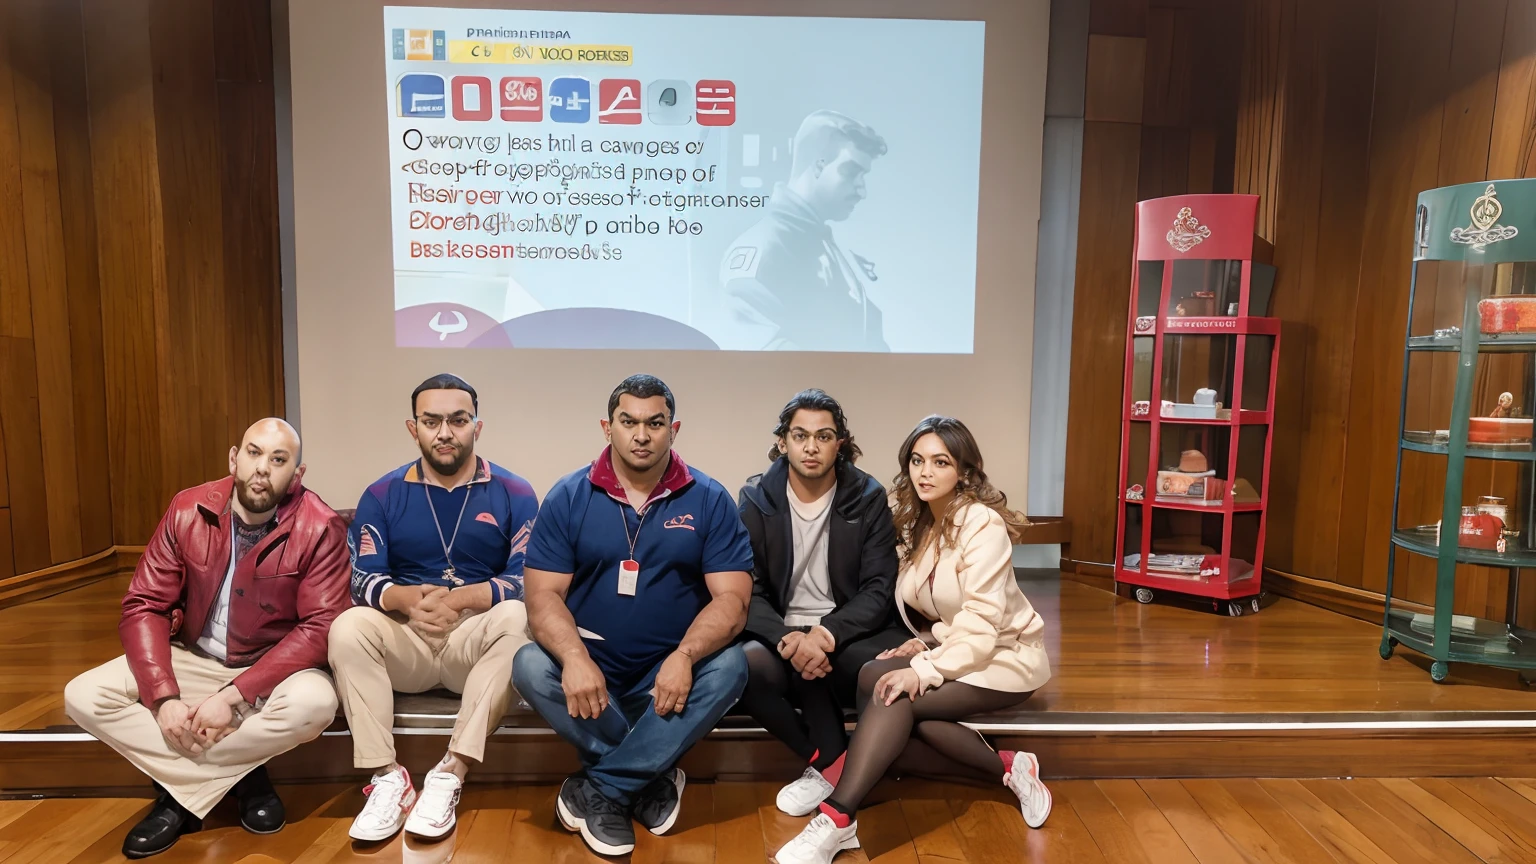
x: 225, y: 626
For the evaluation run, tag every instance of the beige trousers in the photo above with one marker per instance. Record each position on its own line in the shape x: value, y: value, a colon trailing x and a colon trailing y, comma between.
x: 373, y: 654
x: 105, y: 702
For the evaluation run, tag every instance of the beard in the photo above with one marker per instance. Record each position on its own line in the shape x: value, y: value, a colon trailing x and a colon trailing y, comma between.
x: 448, y: 465
x: 257, y: 502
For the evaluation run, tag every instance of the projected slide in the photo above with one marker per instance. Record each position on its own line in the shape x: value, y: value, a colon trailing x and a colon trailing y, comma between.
x: 606, y: 180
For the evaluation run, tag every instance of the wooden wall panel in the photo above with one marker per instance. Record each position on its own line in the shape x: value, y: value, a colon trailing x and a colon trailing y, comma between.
x: 1160, y: 114
x: 193, y: 390
x: 1100, y: 300
x: 131, y: 253
x: 140, y: 325
x: 1172, y: 56
x: 44, y: 230
x: 1118, y: 17
x: 1513, y: 144
x: 7, y: 561
x: 1115, y: 78
x: 1345, y: 113
x: 24, y: 470
x: 71, y: 121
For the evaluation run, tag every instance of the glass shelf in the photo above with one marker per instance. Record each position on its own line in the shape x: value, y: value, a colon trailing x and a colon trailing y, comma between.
x: 1488, y: 641
x: 1472, y: 451
x: 1213, y: 507
x: 1244, y: 418
x: 1508, y: 343
x: 1422, y: 541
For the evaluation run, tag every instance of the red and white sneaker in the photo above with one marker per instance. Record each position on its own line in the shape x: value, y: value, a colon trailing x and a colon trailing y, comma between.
x: 390, y: 797
x: 1024, y: 780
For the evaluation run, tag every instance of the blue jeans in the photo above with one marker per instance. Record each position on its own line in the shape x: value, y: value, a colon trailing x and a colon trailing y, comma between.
x: 629, y: 745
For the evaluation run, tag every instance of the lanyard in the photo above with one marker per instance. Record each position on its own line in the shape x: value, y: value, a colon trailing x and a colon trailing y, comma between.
x: 624, y: 520
x: 450, y: 574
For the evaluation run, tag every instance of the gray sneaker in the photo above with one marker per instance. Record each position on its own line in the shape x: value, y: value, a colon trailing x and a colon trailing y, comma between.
x: 659, y: 803
x: 603, y: 825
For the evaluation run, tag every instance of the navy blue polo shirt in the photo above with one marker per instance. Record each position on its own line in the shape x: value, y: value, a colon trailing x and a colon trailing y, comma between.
x: 394, y: 537
x: 689, y: 527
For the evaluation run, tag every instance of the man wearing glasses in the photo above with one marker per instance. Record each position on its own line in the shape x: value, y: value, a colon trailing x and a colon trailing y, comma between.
x: 437, y: 576
x: 824, y: 568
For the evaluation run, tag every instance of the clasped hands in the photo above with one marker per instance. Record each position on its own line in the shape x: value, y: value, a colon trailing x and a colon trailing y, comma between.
x: 191, y: 730
x: 809, y: 652
x: 432, y: 610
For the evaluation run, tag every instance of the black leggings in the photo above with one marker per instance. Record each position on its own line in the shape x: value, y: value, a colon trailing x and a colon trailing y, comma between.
x: 918, y: 736
x: 774, y: 690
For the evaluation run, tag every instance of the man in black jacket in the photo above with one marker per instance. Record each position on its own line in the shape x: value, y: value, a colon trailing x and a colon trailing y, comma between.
x: 824, y: 569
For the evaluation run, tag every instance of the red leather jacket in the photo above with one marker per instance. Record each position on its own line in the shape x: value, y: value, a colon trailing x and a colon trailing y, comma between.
x: 286, y: 591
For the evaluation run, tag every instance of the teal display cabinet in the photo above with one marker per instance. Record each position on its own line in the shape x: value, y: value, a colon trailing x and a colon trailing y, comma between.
x: 1468, y: 393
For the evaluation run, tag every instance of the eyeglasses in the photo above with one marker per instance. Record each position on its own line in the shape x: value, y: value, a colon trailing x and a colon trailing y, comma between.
x: 825, y: 436
x: 432, y: 422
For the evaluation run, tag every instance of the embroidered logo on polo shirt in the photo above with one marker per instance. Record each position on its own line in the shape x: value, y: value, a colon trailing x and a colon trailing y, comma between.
x: 680, y: 522
x: 486, y: 518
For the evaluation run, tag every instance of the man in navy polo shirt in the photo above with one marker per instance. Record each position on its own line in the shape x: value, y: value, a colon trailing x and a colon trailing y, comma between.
x: 637, y: 582
x: 437, y: 563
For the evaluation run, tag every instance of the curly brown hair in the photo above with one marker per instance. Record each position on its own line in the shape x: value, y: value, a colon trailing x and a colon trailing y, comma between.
x: 913, y: 517
x: 816, y: 400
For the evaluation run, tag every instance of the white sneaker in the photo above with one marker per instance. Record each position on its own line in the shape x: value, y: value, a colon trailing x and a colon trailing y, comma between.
x: 435, y: 812
x: 819, y: 842
x: 804, y: 795
x: 390, y: 797
x: 1024, y: 780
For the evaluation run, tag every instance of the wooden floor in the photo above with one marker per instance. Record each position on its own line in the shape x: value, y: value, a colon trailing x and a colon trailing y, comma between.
x: 1110, y: 821
x: 1111, y: 657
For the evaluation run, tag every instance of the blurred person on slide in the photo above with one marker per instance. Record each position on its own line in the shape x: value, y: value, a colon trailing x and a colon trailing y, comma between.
x: 224, y: 626
x: 788, y: 285
x: 638, y: 584
x: 437, y: 569
x: 823, y: 569
x: 980, y: 645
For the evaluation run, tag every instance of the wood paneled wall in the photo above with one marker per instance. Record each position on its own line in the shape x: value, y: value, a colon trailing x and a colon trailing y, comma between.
x: 1344, y: 113
x: 1160, y: 118
x: 140, y: 327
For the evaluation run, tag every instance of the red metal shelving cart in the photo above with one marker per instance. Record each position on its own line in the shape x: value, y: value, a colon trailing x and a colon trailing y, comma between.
x: 1200, y: 363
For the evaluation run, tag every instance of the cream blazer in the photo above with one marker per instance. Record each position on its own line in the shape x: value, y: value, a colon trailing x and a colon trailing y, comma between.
x: 989, y: 635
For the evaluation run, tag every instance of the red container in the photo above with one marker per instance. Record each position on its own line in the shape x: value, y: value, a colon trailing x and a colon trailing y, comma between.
x: 1481, y: 531
x: 1508, y: 314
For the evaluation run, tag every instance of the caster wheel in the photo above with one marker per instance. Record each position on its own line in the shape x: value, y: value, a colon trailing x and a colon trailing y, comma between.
x: 1255, y: 604
x: 1235, y: 609
x: 1388, y: 645
x: 1143, y: 595
x: 1438, y: 671
x: 1526, y: 680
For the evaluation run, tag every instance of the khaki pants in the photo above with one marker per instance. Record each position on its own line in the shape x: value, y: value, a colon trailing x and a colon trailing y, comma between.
x: 373, y: 655
x: 105, y: 702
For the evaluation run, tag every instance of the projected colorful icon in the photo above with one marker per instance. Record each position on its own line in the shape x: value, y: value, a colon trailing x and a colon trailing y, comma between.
x: 618, y: 101
x: 522, y: 100
x: 716, y: 102
x: 667, y: 102
x: 419, y: 44
x: 420, y: 94
x: 570, y: 100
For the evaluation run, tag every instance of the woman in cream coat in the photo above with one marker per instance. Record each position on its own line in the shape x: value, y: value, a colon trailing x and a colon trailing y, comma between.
x: 985, y: 650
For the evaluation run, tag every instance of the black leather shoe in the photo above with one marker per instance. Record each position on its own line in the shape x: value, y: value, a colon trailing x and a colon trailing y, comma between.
x: 158, y: 831
x: 261, y: 811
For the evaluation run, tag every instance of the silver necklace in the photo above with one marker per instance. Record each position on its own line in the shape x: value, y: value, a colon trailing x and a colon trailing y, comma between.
x: 448, y: 544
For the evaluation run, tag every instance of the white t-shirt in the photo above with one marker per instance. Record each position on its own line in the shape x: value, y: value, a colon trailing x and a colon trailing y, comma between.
x: 215, y: 638
x: 810, y: 585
